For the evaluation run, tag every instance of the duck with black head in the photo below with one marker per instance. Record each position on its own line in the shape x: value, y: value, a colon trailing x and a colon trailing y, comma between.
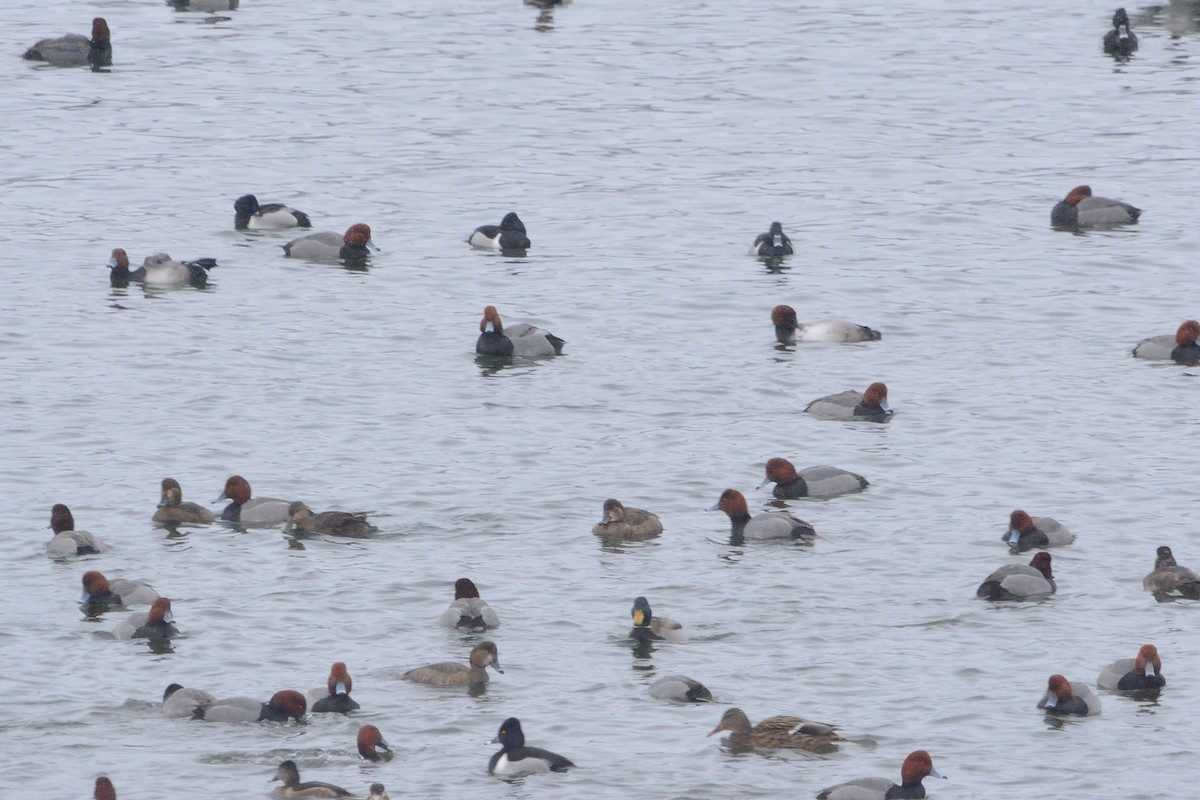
x: 1141, y: 674
x: 517, y: 339
x: 774, y: 243
x: 509, y: 235
x: 648, y: 627
x: 1120, y: 41
x: 74, y: 50
x: 172, y: 510
x: 334, y: 696
x: 515, y: 758
x: 871, y: 405
x: 469, y: 611
x: 66, y: 540
x: 283, y: 705
x: 770, y: 525
x: 249, y: 510
x: 156, y: 625
x: 249, y: 215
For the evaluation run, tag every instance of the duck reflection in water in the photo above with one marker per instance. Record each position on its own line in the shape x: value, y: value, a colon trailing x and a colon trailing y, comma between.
x: 545, y: 18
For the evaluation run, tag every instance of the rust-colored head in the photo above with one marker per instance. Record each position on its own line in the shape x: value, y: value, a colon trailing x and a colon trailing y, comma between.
x: 369, y: 738
x: 876, y: 394
x: 95, y: 583
x: 733, y: 720
x: 61, y: 519
x: 1041, y: 562
x: 237, y: 489
x: 100, y: 30
x: 289, y: 702
x: 464, y: 588
x: 1077, y: 194
x: 1187, y: 333
x: 1148, y: 655
x: 339, y: 675
x: 916, y: 767
x: 1020, y: 521
x: 1059, y: 686
x: 160, y: 612
x: 780, y: 470
x: 104, y: 788
x: 120, y: 258
x: 492, y: 316
x: 783, y: 315
x: 358, y: 235
x: 733, y: 503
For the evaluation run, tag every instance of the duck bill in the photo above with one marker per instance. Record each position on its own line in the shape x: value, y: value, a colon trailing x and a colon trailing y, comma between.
x: 496, y: 666
x: 766, y: 482
x: 714, y: 507
x: 933, y: 773
x: 162, y: 503
x: 220, y: 497
x: 372, y: 246
x: 639, y: 619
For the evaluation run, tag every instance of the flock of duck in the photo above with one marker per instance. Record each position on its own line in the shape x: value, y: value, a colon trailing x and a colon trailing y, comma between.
x: 1140, y: 676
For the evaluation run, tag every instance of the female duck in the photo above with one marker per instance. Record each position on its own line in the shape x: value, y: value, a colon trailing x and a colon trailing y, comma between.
x: 508, y: 235
x: 355, y: 243
x: 518, y: 339
x: 248, y: 214
x: 1063, y: 700
x: 1120, y: 41
x: 100, y: 591
x: 1169, y: 579
x: 818, y: 482
x: 917, y: 767
x: 515, y: 758
x: 378, y: 792
x: 1020, y: 582
x: 789, y: 331
x: 1140, y: 674
x: 647, y: 627
x: 173, y: 511
x: 1026, y: 532
x: 370, y: 738
x: 469, y: 611
x: 773, y: 243
x: 1180, y: 348
x: 620, y: 522
x: 282, y: 706
x: 293, y: 787
x: 451, y: 673
x: 74, y: 50
x: 680, y: 689
x: 252, y: 511
x: 783, y: 732
x: 871, y: 405
x: 180, y: 702
x: 155, y: 625
x: 334, y: 697
x: 1080, y: 210
x: 330, y: 523
x: 760, y: 527
x: 159, y: 270
x: 66, y: 540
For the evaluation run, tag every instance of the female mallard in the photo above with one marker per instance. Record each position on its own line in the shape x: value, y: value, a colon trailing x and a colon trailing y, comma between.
x: 793, y: 733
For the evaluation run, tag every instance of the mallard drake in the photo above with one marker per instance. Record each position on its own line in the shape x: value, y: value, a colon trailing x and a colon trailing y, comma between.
x: 646, y: 626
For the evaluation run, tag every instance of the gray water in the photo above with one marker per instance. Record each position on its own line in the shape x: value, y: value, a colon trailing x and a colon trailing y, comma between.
x: 912, y: 150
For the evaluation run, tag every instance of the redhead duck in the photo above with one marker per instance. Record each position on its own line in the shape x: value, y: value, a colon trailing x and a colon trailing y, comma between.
x: 293, y: 787
x: 370, y: 738
x: 508, y: 235
x: 1026, y: 532
x: 1063, y: 700
x: 1079, y: 209
x: 469, y: 611
x: 156, y: 624
x: 282, y: 706
x: 66, y: 540
x: 518, y: 339
x: 871, y: 405
x: 680, y: 689
x: 259, y: 510
x: 783, y: 732
x: 249, y: 215
x: 768, y: 525
x: 451, y: 673
x: 173, y: 511
x: 354, y: 244
x: 917, y: 767
x: 378, y: 792
x: 620, y: 522
x: 647, y: 627
x: 819, y: 482
x: 1140, y: 674
x: 789, y: 331
x: 74, y: 50
x: 1169, y: 579
x: 334, y: 696
x: 159, y: 270
x: 1020, y: 582
x: 1180, y: 348
x: 330, y: 523
x: 1120, y: 41
x: 773, y: 243
x: 515, y: 758
x: 100, y: 591
x: 104, y: 790
x: 180, y: 702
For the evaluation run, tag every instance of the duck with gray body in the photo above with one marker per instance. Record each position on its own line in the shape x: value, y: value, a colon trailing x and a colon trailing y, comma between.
x: 1020, y: 581
x: 180, y: 702
x: 249, y: 215
x: 680, y: 689
x: 820, y: 482
x: 74, y: 50
x: 1080, y: 209
x: 469, y: 611
x: 508, y: 235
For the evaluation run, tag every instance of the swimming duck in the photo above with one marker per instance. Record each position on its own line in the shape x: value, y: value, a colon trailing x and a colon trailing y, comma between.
x: 620, y: 522
x: 792, y: 733
x: 871, y: 405
x: 451, y: 673
x: 259, y: 510
x: 355, y: 243
x: 330, y: 523
x: 104, y: 790
x: 1170, y: 579
x: 100, y: 591
x: 1120, y: 41
x: 1180, y: 348
x: 292, y: 787
x: 156, y: 624
x: 1020, y: 582
x: 74, y: 50
x: 514, y: 758
x: 66, y: 540
x: 334, y: 696
x: 369, y: 738
x: 819, y: 482
x: 159, y: 269
x: 1140, y: 674
x: 283, y: 705
x: 378, y: 792
x: 680, y: 689
x: 772, y: 243
x: 173, y: 511
x: 1079, y: 209
x: 180, y: 702
x: 508, y: 235
x: 1026, y: 532
x: 760, y: 527
x: 1064, y: 700
x: 518, y: 339
x: 789, y: 331
x: 248, y: 214
x: 917, y: 767
x: 647, y: 627
x: 469, y: 611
